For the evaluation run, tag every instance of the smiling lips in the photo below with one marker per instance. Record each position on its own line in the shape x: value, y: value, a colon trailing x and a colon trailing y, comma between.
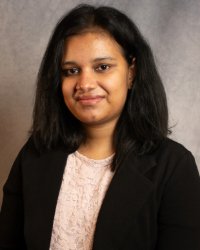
x: 89, y: 99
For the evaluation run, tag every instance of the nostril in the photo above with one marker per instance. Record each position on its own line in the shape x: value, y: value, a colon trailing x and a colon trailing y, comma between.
x: 77, y: 86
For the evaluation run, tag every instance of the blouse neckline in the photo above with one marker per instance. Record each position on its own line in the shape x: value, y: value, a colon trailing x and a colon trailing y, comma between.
x: 88, y: 161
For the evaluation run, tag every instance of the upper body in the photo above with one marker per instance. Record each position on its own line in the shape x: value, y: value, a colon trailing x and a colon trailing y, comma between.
x: 99, y: 93
x: 152, y: 201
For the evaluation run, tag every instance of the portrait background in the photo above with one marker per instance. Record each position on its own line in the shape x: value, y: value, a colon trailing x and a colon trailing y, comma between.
x: 172, y: 28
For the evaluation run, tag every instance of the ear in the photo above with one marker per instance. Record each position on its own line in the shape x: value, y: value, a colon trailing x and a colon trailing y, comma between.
x: 131, y: 73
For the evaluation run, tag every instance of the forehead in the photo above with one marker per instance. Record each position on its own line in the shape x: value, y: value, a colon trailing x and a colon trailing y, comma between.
x: 91, y: 43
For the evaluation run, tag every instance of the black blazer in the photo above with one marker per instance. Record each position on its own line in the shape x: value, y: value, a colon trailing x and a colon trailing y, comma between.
x: 152, y: 203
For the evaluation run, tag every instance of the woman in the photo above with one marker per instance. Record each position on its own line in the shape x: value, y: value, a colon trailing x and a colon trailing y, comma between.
x: 98, y: 171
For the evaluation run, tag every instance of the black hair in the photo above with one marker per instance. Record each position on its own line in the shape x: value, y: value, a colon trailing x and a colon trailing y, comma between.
x: 144, y: 120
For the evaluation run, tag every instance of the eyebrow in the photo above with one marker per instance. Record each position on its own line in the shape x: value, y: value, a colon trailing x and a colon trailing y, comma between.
x: 98, y: 59
x: 104, y: 58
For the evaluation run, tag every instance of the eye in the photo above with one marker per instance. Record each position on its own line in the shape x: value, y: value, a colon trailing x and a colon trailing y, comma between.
x: 70, y: 71
x: 102, y: 67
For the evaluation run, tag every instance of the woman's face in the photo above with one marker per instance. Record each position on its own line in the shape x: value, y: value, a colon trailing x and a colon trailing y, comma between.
x: 95, y: 78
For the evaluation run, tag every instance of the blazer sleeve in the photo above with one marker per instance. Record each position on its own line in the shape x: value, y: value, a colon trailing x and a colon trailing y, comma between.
x: 11, y: 215
x: 179, y: 215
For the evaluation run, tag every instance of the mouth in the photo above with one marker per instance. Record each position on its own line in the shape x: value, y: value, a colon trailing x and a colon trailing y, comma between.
x: 89, y: 100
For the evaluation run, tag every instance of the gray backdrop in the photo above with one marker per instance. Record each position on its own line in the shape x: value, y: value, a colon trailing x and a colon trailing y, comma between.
x: 171, y: 27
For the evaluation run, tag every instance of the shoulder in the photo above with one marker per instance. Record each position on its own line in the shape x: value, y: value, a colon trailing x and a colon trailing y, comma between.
x: 30, y: 161
x: 170, y: 149
x: 30, y: 150
x: 172, y: 146
x: 173, y: 160
x: 168, y: 159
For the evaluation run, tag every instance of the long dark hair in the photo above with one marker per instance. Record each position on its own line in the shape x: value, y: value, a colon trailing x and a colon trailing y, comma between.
x: 144, y: 119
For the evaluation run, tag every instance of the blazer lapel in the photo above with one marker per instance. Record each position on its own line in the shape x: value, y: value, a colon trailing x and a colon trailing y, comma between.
x: 128, y: 191
x: 43, y: 177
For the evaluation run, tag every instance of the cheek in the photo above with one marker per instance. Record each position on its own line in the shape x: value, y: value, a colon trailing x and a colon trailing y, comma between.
x: 67, y: 91
x: 119, y: 85
x: 121, y: 90
x: 66, y: 95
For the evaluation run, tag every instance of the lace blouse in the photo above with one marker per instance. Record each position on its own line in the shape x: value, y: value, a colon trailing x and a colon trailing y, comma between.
x: 83, y: 188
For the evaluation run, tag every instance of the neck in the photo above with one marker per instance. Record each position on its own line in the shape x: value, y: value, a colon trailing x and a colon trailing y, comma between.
x: 99, y: 143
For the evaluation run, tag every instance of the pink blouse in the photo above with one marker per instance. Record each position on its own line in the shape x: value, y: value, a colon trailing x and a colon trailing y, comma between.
x: 83, y: 188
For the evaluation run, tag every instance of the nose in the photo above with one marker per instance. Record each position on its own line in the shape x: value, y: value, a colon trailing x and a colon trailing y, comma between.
x: 86, y: 81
